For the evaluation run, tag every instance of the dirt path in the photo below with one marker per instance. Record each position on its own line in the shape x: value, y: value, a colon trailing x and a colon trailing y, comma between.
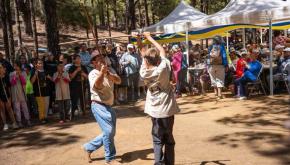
x: 207, y: 132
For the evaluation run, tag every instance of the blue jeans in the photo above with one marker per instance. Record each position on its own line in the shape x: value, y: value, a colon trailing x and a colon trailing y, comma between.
x: 106, y: 118
x: 242, y: 82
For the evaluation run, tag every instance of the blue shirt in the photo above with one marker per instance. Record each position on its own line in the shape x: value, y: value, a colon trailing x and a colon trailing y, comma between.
x: 130, y: 62
x: 86, y: 59
x: 253, y: 70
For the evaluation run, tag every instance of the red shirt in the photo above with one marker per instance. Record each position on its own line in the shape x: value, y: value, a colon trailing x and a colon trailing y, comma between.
x: 240, y: 67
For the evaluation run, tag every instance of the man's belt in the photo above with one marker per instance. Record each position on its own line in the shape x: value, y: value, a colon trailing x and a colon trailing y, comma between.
x: 98, y: 102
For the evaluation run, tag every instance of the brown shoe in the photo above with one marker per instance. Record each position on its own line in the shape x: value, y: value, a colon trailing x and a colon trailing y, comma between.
x: 88, y: 155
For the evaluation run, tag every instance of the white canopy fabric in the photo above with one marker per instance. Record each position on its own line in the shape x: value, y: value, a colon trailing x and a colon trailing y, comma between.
x: 246, y: 12
x: 177, y: 19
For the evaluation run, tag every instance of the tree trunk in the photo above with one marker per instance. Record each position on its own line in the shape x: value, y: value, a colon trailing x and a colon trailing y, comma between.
x: 141, y: 24
x: 8, y: 20
x: 4, y: 28
x: 153, y: 13
x: 52, y: 33
x: 108, y: 20
x: 115, y: 11
x: 34, y: 28
x: 147, y: 20
x: 102, y: 13
x: 16, y: 8
x: 193, y: 3
x: 24, y: 8
x: 132, y: 15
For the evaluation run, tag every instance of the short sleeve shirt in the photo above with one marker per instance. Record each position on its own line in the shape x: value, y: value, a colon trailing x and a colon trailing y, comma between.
x: 105, y: 94
x: 76, y: 81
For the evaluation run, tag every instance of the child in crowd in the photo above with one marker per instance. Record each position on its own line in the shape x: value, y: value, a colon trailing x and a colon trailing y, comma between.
x: 40, y: 79
x: 61, y: 80
x: 31, y: 102
x: 18, y: 82
x: 5, y: 103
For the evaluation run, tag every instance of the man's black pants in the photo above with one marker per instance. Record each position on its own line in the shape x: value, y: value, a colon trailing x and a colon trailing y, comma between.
x: 162, y: 136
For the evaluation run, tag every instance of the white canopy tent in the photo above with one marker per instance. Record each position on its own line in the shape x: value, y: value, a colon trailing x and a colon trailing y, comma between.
x: 177, y: 20
x: 246, y: 12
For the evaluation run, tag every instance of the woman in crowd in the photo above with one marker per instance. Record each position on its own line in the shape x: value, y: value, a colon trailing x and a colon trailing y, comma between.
x: 5, y: 103
x: 218, y: 63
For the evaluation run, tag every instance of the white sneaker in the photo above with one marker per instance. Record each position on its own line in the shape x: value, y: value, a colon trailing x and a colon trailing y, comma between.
x: 243, y: 98
x: 5, y: 128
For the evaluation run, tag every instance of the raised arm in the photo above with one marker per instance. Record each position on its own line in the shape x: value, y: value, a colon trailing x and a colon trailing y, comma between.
x: 156, y: 44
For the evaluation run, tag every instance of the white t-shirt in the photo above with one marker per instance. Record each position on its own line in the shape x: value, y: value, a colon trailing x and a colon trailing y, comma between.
x: 105, y: 94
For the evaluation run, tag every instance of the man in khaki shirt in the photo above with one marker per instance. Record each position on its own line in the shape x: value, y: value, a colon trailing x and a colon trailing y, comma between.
x: 102, y: 80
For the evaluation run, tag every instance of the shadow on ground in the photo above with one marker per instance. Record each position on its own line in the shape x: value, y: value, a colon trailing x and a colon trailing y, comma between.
x: 268, y: 135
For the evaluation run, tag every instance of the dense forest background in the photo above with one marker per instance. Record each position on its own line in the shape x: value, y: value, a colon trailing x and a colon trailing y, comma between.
x: 91, y: 15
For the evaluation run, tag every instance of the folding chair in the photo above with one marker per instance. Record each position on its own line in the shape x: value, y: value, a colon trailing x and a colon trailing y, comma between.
x: 256, y: 85
x: 286, y: 76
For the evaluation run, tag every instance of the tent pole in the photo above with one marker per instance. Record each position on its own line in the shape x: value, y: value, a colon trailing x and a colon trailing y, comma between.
x: 228, y: 42
x: 271, y: 56
x: 261, y: 35
x: 187, y: 50
x: 244, y: 38
x: 286, y: 32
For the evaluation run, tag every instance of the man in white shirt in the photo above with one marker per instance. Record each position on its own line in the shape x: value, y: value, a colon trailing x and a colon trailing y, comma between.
x: 102, y: 80
x: 160, y: 101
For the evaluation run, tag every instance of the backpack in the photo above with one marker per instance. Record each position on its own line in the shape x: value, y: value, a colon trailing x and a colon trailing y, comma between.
x: 215, y: 55
x: 184, y: 61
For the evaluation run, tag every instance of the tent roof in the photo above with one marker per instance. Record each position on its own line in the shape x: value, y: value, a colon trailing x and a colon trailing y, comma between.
x: 177, y: 19
x: 254, y: 12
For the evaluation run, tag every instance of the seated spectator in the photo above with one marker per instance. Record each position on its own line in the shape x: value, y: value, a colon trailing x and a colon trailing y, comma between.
x: 283, y: 61
x: 241, y: 64
x: 252, y: 70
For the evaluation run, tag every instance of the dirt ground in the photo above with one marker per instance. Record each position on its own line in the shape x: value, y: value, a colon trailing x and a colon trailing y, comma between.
x: 207, y: 132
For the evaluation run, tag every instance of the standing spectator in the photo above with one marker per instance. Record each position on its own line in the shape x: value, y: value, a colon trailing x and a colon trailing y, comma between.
x: 176, y: 67
x: 78, y: 75
x: 61, y: 80
x: 31, y: 102
x: 85, y: 57
x: 50, y: 67
x: 218, y: 63
x: 250, y: 75
x: 5, y: 99
x: 40, y: 79
x: 131, y: 65
x: 160, y: 104
x: 18, y: 82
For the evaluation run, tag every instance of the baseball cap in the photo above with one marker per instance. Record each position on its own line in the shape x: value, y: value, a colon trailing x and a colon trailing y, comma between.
x: 287, y: 49
x: 94, y: 54
x: 279, y: 47
x: 175, y: 47
x: 130, y: 46
x: 232, y: 50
